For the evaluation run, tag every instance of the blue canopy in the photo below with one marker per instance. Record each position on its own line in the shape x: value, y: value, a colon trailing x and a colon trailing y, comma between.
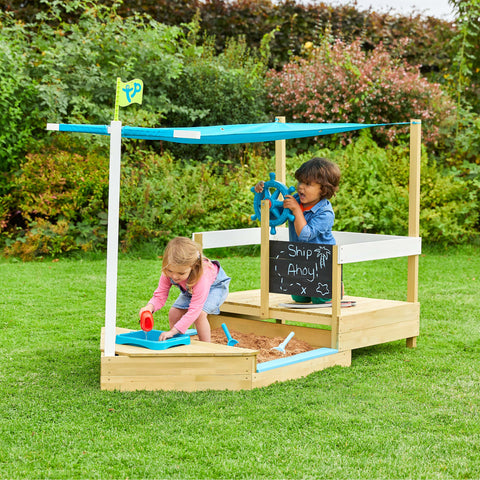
x: 225, y: 134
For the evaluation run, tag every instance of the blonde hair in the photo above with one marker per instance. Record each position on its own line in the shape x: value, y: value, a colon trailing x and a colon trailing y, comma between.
x: 185, y: 252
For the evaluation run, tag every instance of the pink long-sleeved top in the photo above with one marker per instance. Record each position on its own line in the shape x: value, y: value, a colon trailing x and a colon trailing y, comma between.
x: 199, y: 292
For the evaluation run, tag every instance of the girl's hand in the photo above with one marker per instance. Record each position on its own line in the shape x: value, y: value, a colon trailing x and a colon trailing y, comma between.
x: 259, y: 187
x: 169, y: 334
x: 147, y: 308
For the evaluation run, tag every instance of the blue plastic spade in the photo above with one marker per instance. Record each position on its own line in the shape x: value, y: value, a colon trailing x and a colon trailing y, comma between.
x: 281, y: 347
x: 231, y: 341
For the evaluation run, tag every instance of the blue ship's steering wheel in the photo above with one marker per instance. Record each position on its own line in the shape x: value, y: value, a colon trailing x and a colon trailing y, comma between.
x: 271, y: 191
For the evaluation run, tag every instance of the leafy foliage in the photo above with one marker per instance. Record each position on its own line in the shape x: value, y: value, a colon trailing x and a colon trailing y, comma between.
x: 62, y: 67
x: 62, y: 199
x: 58, y: 206
x: 341, y: 83
x: 16, y: 99
x: 295, y: 23
x: 162, y: 198
x: 465, y: 73
x: 373, y: 195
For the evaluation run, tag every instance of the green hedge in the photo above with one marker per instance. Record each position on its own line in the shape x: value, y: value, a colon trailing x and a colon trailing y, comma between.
x: 63, y: 198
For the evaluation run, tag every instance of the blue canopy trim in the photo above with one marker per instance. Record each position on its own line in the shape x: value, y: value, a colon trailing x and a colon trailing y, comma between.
x: 225, y: 134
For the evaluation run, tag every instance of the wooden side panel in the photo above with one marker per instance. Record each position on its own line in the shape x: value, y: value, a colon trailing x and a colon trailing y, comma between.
x: 377, y: 335
x: 158, y: 366
x: 381, y: 316
x: 191, y: 383
x: 301, y: 369
x: 316, y: 337
x: 177, y: 373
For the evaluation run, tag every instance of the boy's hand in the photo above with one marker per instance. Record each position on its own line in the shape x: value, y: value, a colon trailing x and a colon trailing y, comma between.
x: 291, y: 203
x: 259, y: 187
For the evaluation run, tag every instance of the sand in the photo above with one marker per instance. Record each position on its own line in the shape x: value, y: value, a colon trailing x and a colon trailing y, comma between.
x: 263, y: 344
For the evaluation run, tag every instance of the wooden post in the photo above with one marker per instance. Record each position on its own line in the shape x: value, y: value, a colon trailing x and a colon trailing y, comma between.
x: 280, y: 166
x: 198, y: 238
x: 280, y: 157
x: 112, y: 238
x: 336, y: 297
x: 414, y: 212
x: 264, y: 260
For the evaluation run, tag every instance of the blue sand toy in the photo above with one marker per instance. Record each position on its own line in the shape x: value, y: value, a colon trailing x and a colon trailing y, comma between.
x: 231, y: 341
x: 150, y: 340
x: 271, y: 191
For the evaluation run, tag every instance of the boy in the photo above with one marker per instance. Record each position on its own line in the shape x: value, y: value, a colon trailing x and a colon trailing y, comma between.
x: 318, y: 181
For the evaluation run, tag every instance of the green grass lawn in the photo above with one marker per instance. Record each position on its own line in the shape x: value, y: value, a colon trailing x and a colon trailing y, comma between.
x: 395, y: 413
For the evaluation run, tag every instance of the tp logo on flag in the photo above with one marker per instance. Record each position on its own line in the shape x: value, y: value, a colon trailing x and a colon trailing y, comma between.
x: 130, y: 92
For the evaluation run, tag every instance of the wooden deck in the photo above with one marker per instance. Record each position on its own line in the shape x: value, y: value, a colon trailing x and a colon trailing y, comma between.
x: 369, y: 322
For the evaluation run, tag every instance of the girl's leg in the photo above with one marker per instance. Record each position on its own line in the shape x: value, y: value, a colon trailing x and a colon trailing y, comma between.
x: 203, y: 327
x: 201, y: 324
x: 174, y: 315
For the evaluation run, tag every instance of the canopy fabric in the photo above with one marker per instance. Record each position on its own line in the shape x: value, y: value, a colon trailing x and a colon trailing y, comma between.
x: 224, y: 134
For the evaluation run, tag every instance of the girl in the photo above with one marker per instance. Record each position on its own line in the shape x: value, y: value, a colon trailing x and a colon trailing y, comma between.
x: 203, y: 285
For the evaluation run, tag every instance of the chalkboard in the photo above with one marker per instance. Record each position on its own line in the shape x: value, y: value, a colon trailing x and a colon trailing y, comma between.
x: 303, y: 269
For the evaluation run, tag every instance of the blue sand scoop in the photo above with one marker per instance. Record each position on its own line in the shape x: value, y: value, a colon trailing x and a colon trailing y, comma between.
x: 150, y: 340
x: 231, y: 341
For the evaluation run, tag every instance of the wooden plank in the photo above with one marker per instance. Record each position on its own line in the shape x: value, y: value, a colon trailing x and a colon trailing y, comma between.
x: 300, y: 370
x: 402, y: 312
x: 383, y: 248
x: 264, y: 262
x: 198, y: 237
x: 414, y: 211
x: 244, y: 303
x: 316, y: 337
x: 236, y: 237
x: 414, y: 178
x: 336, y: 298
x: 195, y: 349
x: 280, y: 156
x: 242, y: 309
x: 293, y: 359
x: 377, y: 335
x: 158, y: 367
x: 185, y: 383
x: 237, y: 303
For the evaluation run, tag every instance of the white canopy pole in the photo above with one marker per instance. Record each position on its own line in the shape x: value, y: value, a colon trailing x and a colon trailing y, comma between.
x: 112, y: 240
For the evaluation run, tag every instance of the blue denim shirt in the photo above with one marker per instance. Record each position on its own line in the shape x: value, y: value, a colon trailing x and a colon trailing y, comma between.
x: 319, y: 225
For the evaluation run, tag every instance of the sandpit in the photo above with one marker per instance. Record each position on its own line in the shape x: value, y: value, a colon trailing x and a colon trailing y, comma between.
x: 263, y: 344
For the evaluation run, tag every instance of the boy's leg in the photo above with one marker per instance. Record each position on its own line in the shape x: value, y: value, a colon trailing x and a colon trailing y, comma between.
x: 300, y: 299
x: 320, y: 300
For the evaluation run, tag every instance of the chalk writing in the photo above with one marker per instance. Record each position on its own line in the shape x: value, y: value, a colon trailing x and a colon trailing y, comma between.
x: 301, y: 269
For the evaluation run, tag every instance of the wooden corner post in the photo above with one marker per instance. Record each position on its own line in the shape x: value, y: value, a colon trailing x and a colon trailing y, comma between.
x: 265, y: 260
x: 280, y: 157
x: 414, y: 211
x: 336, y: 297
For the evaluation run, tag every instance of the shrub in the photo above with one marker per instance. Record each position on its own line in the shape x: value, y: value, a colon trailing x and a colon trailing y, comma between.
x: 58, y: 205
x: 341, y: 83
x: 373, y: 195
x: 218, y: 90
x: 62, y: 201
x: 16, y: 99
x: 162, y: 198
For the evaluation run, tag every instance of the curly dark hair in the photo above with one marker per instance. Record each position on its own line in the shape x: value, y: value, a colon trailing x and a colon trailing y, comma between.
x: 321, y: 171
